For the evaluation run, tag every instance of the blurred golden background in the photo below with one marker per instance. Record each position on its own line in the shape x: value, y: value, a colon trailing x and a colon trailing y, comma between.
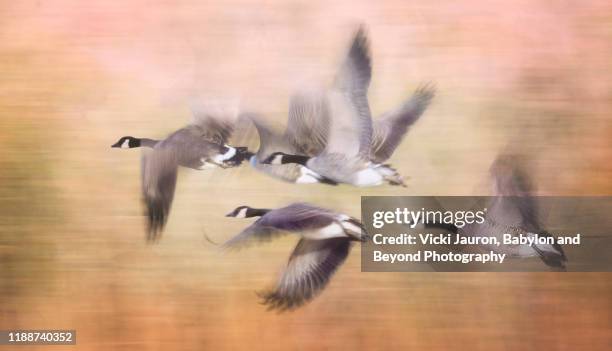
x: 532, y: 76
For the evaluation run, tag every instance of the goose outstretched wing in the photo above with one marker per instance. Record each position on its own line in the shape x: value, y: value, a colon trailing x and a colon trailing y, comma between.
x: 270, y: 140
x: 308, y: 122
x: 159, y: 170
x: 515, y: 193
x: 214, y: 125
x: 391, y: 127
x: 351, y: 122
x: 251, y: 235
x: 310, y: 267
x: 298, y: 217
x: 294, y: 218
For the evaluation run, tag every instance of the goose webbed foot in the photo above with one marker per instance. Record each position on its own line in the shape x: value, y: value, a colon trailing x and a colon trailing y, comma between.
x: 397, y: 183
x: 396, y: 180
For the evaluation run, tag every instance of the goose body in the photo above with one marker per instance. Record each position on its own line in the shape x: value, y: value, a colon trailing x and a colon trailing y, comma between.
x: 514, y: 211
x: 325, y: 241
x: 355, y: 147
x: 200, y: 145
x: 551, y: 254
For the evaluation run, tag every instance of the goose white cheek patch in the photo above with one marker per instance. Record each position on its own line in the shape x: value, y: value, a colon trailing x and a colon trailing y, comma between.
x: 125, y: 144
x: 226, y: 156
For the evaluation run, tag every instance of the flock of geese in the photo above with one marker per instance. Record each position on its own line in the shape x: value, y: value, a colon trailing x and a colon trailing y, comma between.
x: 330, y: 139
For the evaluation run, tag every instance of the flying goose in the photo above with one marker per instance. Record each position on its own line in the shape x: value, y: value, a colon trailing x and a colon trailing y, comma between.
x: 354, y: 148
x: 307, y: 133
x: 200, y: 145
x: 513, y: 210
x: 292, y: 141
x: 325, y: 241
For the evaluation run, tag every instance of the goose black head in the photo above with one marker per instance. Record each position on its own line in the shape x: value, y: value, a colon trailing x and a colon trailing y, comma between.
x: 243, y: 153
x: 246, y: 212
x: 281, y: 158
x: 275, y: 158
x: 127, y: 142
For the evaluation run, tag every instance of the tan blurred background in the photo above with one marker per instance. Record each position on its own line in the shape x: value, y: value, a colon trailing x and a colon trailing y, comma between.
x: 531, y: 76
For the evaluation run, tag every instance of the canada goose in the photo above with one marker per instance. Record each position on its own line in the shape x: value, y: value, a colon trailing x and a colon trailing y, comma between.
x: 200, y: 145
x: 271, y: 141
x: 513, y: 210
x: 129, y: 142
x: 325, y: 242
x: 354, y: 147
x: 308, y: 130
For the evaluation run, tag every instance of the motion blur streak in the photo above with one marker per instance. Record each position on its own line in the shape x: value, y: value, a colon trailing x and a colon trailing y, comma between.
x: 532, y: 76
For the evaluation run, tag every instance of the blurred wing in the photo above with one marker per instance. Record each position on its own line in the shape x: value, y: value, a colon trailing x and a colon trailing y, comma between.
x: 390, y: 129
x: 515, y: 191
x: 245, y: 134
x: 297, y: 217
x: 253, y: 234
x: 351, y: 126
x: 310, y: 268
x: 159, y: 170
x: 215, y: 125
x: 529, y: 211
x: 269, y: 140
x: 308, y: 122
x: 293, y: 218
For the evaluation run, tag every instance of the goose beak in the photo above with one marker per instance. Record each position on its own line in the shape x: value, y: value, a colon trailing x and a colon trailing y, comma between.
x: 117, y: 144
x: 231, y: 214
x: 243, y: 154
x: 248, y: 155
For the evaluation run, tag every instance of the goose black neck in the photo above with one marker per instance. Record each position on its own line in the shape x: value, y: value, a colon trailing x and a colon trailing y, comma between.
x: 299, y: 159
x: 256, y: 212
x: 242, y: 153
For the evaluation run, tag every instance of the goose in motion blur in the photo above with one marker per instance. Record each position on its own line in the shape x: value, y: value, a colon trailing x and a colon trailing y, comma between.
x: 325, y: 241
x: 513, y: 210
x: 355, y: 147
x: 200, y: 145
x: 307, y: 133
x: 292, y: 142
